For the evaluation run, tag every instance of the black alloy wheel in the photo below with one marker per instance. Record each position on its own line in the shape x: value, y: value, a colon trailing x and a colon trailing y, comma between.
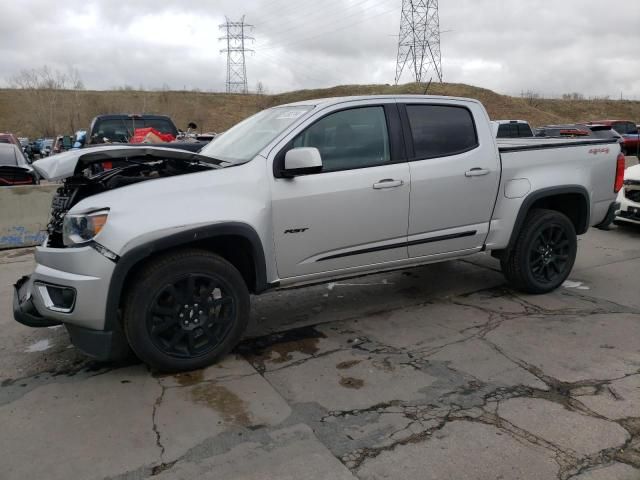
x: 191, y: 316
x: 185, y: 310
x: 549, y: 254
x: 543, y: 253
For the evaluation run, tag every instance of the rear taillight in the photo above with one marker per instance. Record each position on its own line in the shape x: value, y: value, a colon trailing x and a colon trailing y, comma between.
x: 620, y: 163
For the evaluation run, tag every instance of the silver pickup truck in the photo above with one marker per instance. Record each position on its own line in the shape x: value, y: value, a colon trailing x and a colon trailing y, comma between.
x: 161, y: 253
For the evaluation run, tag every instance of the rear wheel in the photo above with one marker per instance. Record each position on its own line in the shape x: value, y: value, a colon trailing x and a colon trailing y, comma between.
x: 543, y: 254
x: 186, y: 310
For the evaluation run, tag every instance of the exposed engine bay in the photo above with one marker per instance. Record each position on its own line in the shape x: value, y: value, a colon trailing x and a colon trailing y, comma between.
x: 95, y: 179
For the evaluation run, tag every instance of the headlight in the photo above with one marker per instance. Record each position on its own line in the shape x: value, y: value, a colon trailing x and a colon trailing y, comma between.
x: 78, y: 229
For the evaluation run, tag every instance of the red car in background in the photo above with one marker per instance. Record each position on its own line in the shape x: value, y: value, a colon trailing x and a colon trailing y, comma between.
x: 629, y: 132
x: 10, y: 138
x: 14, y: 167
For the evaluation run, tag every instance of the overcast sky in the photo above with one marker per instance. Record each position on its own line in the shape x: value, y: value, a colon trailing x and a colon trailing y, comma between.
x: 552, y: 47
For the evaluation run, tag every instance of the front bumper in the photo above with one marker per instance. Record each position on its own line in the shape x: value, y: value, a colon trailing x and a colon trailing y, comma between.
x: 24, y: 311
x: 87, y: 274
x: 629, y: 211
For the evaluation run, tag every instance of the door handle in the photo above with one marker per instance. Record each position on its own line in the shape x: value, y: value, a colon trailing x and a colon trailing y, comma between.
x: 477, y: 172
x: 387, y: 183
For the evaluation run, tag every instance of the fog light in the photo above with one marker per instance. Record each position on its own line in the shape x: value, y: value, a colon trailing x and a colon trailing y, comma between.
x: 56, y: 298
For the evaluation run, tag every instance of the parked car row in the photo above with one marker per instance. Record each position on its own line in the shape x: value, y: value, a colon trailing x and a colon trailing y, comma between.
x: 624, y: 130
x: 132, y: 129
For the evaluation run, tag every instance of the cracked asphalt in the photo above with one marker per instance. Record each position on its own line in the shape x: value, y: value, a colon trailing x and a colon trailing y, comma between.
x: 440, y: 372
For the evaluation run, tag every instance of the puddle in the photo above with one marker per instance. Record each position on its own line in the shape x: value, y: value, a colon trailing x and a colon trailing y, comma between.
x: 353, y: 383
x: 280, y: 347
x: 229, y: 405
x: 347, y: 365
x: 186, y: 379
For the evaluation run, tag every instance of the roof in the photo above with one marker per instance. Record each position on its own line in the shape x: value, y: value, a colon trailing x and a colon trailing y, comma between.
x: 504, y: 122
x: 325, y: 102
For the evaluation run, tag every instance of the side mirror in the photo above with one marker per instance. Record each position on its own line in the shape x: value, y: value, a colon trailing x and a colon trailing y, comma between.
x: 302, y: 161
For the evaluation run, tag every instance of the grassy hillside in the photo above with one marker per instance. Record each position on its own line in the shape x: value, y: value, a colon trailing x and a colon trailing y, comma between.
x: 36, y: 113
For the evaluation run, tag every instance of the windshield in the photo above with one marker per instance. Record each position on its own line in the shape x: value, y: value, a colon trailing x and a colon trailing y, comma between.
x: 243, y: 142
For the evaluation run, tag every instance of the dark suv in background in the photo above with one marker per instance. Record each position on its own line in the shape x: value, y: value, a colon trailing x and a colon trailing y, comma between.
x: 121, y: 127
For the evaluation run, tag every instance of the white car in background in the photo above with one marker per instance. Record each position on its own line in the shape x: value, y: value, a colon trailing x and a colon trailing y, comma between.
x: 629, y: 198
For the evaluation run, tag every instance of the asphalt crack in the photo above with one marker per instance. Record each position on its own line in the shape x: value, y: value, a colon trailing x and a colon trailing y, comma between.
x: 156, y: 430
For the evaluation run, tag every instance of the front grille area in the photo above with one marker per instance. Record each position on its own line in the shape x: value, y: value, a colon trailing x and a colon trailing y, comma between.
x: 633, y: 195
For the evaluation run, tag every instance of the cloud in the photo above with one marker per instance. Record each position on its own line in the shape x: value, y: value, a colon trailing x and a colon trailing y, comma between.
x: 586, y: 46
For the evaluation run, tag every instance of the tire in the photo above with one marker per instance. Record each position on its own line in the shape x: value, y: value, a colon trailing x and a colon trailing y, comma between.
x: 185, y: 310
x: 543, y: 254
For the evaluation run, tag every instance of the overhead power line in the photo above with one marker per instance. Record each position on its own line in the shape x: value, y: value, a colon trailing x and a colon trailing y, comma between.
x: 361, y: 18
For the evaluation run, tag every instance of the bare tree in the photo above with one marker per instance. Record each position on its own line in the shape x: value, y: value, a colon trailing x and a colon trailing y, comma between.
x: 532, y: 98
x: 262, y: 101
x: 45, y: 86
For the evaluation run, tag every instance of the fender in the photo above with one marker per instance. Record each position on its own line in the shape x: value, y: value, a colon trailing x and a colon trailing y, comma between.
x: 583, y: 224
x: 133, y: 257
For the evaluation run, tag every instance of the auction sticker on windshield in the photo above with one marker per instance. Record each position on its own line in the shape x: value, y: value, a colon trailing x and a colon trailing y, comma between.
x: 290, y: 114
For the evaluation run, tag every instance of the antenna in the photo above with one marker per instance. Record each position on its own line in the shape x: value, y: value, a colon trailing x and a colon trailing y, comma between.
x: 419, y: 39
x: 236, y: 67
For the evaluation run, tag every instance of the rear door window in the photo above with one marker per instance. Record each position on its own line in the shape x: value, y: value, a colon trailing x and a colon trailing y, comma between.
x: 441, y: 130
x: 506, y: 130
x: 524, y: 130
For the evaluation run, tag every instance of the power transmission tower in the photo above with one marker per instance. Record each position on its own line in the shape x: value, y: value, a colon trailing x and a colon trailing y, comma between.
x: 236, y: 68
x: 419, y: 40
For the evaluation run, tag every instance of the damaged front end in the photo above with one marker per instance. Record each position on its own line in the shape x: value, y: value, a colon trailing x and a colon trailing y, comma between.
x: 85, y: 173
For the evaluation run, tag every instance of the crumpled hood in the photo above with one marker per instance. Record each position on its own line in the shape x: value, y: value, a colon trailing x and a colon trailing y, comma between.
x: 68, y: 163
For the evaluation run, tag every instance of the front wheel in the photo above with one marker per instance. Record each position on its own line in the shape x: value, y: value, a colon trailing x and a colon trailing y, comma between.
x: 185, y: 310
x: 543, y: 254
